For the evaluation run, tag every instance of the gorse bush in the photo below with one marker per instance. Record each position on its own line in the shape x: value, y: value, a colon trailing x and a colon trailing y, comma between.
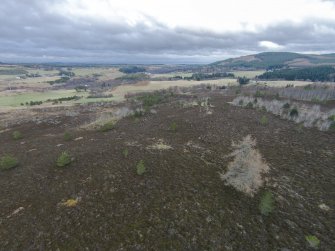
x: 64, y: 159
x: 140, y: 168
x: 245, y: 172
x: 313, y: 241
x: 266, y: 205
x: 8, y: 162
x: 17, y: 135
x: 110, y: 125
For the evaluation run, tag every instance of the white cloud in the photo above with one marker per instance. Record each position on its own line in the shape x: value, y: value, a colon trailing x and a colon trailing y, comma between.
x: 162, y: 31
x: 215, y: 15
x: 270, y: 45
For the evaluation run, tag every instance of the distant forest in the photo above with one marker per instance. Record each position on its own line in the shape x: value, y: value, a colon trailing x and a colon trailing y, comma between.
x: 132, y: 69
x: 204, y: 76
x: 318, y: 73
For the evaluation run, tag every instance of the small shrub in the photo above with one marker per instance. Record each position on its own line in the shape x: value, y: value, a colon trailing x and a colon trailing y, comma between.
x: 259, y: 94
x: 173, y: 126
x: 125, y: 153
x: 240, y: 102
x: 331, y: 118
x: 286, y: 106
x: 313, y: 241
x: 266, y: 205
x: 140, y: 168
x: 110, y: 125
x: 138, y: 113
x: 294, y: 112
x: 264, y: 120
x: 17, y: 135
x: 249, y: 105
x: 332, y: 126
x: 68, y: 136
x: 63, y: 160
x: 8, y: 162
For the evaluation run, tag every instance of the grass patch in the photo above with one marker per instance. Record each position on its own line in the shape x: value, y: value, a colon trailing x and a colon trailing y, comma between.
x: 140, y: 167
x: 63, y: 160
x: 17, y: 99
x: 17, y: 135
x: 8, y: 162
x: 313, y: 241
x: 266, y: 205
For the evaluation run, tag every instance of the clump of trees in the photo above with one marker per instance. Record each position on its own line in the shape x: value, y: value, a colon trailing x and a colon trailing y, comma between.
x: 59, y: 81
x: 66, y: 73
x: 80, y: 88
x: 75, y: 97
x: 243, y: 80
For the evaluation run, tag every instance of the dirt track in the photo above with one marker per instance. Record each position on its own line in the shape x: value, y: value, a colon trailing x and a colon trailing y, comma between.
x: 180, y: 203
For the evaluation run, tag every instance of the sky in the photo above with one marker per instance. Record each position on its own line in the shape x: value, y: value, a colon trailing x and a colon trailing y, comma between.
x: 161, y: 31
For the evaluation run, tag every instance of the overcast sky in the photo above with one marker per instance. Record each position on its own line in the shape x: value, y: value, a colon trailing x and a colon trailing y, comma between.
x: 161, y: 31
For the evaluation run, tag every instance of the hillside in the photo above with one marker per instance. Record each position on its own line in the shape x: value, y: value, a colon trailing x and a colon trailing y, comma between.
x: 276, y: 59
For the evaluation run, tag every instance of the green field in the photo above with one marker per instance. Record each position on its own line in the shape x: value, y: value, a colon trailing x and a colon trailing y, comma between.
x: 15, y: 100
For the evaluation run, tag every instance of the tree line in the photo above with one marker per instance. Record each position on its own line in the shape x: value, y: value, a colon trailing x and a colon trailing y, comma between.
x: 317, y: 73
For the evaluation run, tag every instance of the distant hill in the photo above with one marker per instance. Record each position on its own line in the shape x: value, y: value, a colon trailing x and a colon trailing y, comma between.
x: 267, y: 60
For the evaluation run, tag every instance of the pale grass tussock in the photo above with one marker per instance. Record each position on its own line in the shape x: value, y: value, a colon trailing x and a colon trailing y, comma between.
x: 159, y: 145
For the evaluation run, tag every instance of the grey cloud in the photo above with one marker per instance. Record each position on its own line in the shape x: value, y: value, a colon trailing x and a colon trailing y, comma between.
x: 30, y: 31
